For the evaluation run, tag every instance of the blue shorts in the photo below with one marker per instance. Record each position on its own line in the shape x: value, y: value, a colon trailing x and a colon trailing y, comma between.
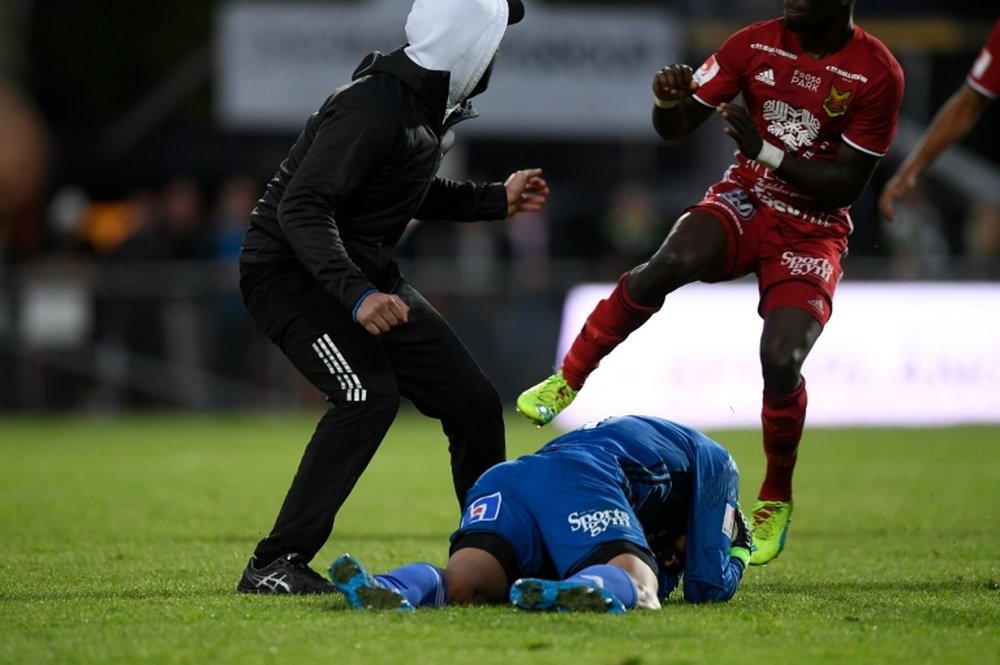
x: 552, y: 510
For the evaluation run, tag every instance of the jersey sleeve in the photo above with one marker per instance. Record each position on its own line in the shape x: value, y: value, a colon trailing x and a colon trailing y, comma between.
x: 463, y: 201
x: 347, y: 143
x: 720, y: 77
x: 984, y: 77
x: 875, y: 118
x: 711, y: 574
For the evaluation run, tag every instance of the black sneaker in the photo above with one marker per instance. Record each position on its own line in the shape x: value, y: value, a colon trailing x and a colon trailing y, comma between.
x: 288, y: 574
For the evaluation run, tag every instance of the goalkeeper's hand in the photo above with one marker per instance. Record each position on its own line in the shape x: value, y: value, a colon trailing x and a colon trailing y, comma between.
x: 742, y: 541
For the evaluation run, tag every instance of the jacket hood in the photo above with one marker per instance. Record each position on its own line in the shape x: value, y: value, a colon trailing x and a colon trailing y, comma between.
x: 457, y: 36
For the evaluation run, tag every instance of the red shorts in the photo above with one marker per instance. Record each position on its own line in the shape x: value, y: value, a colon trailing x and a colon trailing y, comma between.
x: 794, y: 268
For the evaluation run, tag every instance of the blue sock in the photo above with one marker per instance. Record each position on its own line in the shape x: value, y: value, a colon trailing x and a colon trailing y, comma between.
x: 612, y: 579
x: 420, y: 583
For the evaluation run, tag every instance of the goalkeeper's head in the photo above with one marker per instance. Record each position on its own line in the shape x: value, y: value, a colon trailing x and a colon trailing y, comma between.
x: 669, y: 548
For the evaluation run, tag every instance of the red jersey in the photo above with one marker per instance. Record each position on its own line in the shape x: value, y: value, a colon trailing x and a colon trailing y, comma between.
x: 807, y: 107
x: 984, y: 77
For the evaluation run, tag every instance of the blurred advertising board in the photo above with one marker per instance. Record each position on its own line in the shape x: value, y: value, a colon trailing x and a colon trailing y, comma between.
x: 563, y: 71
x: 894, y: 354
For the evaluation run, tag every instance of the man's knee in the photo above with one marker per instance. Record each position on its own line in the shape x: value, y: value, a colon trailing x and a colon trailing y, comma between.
x: 463, y: 590
x: 378, y: 403
x: 781, y: 358
x: 382, y: 404
x: 789, y: 335
x: 477, y: 401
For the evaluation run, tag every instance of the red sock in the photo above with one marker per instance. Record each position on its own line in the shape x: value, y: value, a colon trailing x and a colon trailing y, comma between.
x: 608, y: 325
x: 782, y: 418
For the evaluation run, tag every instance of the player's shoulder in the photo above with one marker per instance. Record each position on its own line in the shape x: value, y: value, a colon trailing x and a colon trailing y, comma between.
x: 648, y: 429
x: 868, y: 61
x: 762, y: 33
x: 372, y: 100
x: 765, y: 27
x: 765, y: 39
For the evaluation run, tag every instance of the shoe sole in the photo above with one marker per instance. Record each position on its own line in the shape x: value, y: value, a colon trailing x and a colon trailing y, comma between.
x: 781, y: 548
x: 537, y: 420
x: 361, y: 591
x: 530, y: 595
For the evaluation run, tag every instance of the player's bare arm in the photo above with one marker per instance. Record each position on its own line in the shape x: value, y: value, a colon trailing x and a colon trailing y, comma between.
x: 835, y: 183
x: 955, y: 119
x: 675, y: 114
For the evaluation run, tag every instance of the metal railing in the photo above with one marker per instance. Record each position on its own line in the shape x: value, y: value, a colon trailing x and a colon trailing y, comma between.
x: 107, y: 338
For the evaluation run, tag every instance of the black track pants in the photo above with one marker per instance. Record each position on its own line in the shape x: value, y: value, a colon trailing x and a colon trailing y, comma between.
x: 363, y: 377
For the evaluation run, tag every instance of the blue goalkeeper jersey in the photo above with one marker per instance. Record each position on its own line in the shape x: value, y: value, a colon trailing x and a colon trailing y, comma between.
x: 627, y: 478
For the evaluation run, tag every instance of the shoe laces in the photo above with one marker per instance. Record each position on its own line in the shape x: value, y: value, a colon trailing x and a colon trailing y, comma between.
x: 763, y: 525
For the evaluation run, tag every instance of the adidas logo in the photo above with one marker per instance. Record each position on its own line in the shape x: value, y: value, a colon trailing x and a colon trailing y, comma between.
x: 817, y: 304
x: 766, y: 77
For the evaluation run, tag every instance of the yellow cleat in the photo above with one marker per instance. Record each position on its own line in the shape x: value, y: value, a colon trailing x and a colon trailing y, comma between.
x: 770, y: 528
x: 543, y: 402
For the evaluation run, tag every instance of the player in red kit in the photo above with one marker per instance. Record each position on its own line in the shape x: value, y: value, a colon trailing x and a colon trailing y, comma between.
x: 822, y: 100
x: 953, y: 121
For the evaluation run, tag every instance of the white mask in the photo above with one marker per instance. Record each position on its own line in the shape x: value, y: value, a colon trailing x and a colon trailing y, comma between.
x: 456, y: 36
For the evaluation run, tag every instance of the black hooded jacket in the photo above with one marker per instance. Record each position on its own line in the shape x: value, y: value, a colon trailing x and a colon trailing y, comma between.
x: 362, y: 168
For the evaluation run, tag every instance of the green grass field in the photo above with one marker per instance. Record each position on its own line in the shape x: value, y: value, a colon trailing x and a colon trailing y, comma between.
x: 121, y: 541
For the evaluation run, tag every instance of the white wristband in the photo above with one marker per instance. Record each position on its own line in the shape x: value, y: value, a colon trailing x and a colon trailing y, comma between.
x: 665, y: 104
x: 770, y: 156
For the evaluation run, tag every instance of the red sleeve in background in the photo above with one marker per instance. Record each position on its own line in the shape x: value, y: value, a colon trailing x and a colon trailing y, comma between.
x: 984, y: 77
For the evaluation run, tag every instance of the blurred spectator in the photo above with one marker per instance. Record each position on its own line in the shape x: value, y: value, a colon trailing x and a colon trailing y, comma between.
x: 67, y: 222
x: 130, y: 231
x: 477, y: 256
x: 24, y: 164
x: 953, y: 121
x: 186, y: 320
x: 528, y: 238
x: 632, y: 227
x: 235, y: 199
x: 109, y: 224
x: 232, y: 348
x: 183, y: 216
x: 131, y: 325
x: 916, y: 240
x: 982, y: 240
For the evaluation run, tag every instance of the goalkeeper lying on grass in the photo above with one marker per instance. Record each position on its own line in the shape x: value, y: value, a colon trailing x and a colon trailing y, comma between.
x: 605, y: 518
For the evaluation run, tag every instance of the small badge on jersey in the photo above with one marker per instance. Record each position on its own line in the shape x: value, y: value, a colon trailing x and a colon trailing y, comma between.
x: 835, y: 103
x: 981, y: 64
x: 484, y: 509
x: 707, y: 71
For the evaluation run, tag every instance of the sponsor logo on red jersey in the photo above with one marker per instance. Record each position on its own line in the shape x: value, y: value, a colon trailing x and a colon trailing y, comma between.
x: 766, y: 77
x: 808, y: 81
x: 707, y: 71
x: 795, y: 127
x: 807, y: 265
